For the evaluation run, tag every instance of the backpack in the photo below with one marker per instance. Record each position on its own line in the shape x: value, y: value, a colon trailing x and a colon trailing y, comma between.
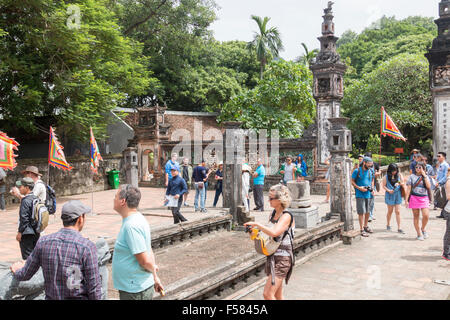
x: 440, y: 197
x: 40, y: 215
x: 267, y: 245
x: 50, y: 199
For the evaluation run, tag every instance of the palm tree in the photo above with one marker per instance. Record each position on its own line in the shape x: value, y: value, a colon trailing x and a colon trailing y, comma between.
x: 267, y: 41
x: 306, y: 58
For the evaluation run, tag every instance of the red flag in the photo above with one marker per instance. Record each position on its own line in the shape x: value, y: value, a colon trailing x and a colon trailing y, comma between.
x: 388, y: 126
x: 95, y: 154
x: 7, y: 147
x: 56, y: 156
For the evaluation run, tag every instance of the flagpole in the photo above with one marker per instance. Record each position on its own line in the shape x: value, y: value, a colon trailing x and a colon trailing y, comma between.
x: 381, y: 131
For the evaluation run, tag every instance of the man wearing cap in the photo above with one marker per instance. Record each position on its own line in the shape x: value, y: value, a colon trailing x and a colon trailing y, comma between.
x: 26, y: 235
x: 177, y: 188
x: 363, y: 182
x: 39, y: 189
x: 69, y: 262
x: 172, y: 162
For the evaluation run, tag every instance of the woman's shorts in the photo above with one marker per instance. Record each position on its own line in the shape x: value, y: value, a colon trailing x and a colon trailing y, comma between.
x: 416, y: 202
x: 282, y: 266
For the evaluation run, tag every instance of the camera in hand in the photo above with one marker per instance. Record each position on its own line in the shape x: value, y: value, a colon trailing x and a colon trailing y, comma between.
x: 369, y: 188
x: 248, y: 229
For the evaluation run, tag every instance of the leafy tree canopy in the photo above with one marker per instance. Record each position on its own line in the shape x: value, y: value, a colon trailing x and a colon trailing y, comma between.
x: 75, y: 74
x: 401, y: 86
x: 282, y: 100
x: 384, y: 39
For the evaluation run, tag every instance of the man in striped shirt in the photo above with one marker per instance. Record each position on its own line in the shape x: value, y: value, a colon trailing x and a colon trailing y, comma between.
x: 69, y: 262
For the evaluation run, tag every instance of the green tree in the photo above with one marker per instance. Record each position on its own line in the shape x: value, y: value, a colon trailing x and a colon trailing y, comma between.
x: 267, y: 42
x: 282, y: 100
x: 401, y: 86
x: 74, y: 73
x: 385, y: 39
x: 174, y: 34
x: 307, y: 56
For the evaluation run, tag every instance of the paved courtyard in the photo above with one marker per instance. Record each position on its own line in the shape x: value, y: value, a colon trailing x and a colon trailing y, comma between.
x: 386, y: 265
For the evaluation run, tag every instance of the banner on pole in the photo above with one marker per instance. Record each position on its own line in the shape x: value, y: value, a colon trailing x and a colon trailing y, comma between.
x: 388, y: 126
x: 7, y: 147
x: 95, y: 154
x: 56, y: 156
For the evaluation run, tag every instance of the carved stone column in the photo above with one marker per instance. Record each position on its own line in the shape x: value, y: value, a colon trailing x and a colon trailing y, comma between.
x: 439, y: 58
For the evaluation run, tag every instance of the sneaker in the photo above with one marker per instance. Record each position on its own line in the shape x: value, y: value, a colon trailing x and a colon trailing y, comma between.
x: 446, y: 257
x: 186, y: 204
x: 204, y: 210
x: 401, y: 231
x: 370, y: 220
x: 388, y: 228
x: 425, y: 234
x: 420, y: 238
x: 440, y: 216
x: 364, y: 234
x: 368, y: 230
x: 197, y: 209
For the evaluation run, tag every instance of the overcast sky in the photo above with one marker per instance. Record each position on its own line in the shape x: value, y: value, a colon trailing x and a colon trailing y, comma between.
x: 300, y: 20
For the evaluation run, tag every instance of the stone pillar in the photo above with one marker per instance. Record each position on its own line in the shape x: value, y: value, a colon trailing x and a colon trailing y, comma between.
x: 232, y: 167
x: 328, y: 71
x: 439, y: 58
x: 130, y: 158
x: 305, y: 215
x: 340, y: 144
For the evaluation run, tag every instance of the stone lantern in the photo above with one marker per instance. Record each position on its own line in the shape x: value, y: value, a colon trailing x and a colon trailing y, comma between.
x: 439, y: 58
x: 340, y: 144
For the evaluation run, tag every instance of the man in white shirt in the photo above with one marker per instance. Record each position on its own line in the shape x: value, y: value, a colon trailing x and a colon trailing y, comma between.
x: 39, y: 189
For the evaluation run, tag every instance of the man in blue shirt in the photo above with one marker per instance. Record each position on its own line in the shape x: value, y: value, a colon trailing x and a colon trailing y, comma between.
x: 133, y: 266
x: 200, y: 176
x: 169, y: 164
x: 363, y: 182
x: 177, y: 188
x: 442, y: 174
x: 258, y: 186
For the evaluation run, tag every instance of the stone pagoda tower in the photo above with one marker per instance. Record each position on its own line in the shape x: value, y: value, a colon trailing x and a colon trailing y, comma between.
x: 328, y: 90
x: 439, y: 58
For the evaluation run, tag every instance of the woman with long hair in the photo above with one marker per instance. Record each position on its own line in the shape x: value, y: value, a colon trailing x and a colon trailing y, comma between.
x: 417, y: 198
x: 392, y: 183
x: 278, y: 265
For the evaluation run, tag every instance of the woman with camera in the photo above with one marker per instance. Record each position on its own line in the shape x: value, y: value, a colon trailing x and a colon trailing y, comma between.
x: 279, y: 265
x: 393, y: 183
x: 417, y: 198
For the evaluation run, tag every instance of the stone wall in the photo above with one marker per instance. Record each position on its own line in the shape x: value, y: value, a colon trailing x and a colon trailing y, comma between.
x: 66, y: 183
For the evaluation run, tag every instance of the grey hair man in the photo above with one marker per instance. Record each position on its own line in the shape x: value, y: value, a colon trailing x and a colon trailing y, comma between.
x: 134, y: 269
x: 258, y: 185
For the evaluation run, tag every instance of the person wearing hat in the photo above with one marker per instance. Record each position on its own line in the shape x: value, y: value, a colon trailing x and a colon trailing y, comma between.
x: 413, y: 153
x: 363, y: 182
x: 219, y: 187
x: 177, y: 188
x: 68, y: 260
x: 39, y: 189
x: 26, y: 234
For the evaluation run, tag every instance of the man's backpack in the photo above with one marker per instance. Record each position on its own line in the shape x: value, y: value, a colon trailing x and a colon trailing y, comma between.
x: 50, y: 200
x: 40, y: 215
x: 440, y: 197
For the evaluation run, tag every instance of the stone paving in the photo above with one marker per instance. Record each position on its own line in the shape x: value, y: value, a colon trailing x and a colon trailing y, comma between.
x: 384, y: 266
x: 406, y: 267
